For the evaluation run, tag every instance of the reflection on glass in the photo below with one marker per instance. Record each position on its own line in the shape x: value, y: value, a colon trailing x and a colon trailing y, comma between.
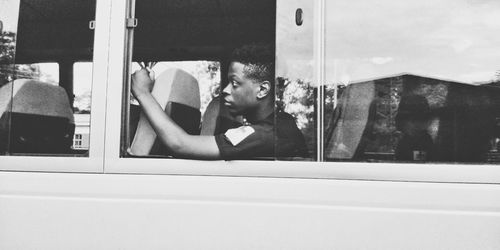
x: 9, y: 10
x: 296, y: 91
x: 416, y: 81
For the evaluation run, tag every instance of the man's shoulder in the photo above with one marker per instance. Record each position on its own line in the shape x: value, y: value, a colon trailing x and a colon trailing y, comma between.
x: 291, y: 141
x: 285, y: 121
x: 282, y: 115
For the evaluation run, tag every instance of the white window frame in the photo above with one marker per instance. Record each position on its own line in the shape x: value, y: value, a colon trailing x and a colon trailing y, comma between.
x: 95, y: 161
x: 446, y: 173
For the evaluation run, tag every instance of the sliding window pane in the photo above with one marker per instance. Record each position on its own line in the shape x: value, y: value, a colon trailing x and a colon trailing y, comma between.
x: 247, y: 117
x: 413, y: 81
x: 47, y: 38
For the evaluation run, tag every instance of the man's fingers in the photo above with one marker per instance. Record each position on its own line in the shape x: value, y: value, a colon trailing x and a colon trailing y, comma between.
x: 152, y: 75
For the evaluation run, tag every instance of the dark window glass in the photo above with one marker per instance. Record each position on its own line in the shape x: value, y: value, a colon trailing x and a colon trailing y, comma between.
x: 40, y: 42
x: 413, y: 81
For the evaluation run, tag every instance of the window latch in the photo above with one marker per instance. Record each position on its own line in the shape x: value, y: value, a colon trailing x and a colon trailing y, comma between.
x: 92, y: 24
x: 299, y: 19
x: 131, y: 23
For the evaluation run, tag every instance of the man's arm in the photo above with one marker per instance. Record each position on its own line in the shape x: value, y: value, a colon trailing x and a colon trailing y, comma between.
x: 174, y: 137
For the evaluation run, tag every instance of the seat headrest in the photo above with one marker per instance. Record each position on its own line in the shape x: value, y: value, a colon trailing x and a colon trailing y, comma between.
x: 179, y: 86
x: 178, y: 93
x: 217, y: 118
x: 35, y: 97
x: 209, y: 120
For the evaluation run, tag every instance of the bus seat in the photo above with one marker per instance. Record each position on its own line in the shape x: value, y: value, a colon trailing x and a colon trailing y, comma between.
x: 209, y: 120
x: 178, y: 94
x: 40, y: 116
x: 217, y: 119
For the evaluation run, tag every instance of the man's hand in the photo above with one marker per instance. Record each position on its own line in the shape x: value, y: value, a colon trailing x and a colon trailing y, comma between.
x: 141, y: 83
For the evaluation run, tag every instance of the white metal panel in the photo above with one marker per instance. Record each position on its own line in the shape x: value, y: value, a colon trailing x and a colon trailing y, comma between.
x: 89, y: 211
x: 116, y: 79
x: 456, y: 173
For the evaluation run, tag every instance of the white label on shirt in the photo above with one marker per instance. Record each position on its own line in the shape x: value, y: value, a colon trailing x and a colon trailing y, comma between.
x: 236, y: 135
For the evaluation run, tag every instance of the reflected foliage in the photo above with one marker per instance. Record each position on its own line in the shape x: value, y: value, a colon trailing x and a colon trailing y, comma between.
x: 298, y: 98
x: 9, y: 70
x: 7, y: 53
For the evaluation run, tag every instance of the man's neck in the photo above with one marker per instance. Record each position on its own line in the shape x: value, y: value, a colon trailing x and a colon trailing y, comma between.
x: 261, y: 113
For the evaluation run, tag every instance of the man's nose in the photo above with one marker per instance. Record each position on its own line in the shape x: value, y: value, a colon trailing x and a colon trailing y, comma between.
x: 227, y: 89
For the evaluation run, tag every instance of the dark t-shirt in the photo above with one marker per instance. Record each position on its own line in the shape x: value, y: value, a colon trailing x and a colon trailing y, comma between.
x: 259, y: 139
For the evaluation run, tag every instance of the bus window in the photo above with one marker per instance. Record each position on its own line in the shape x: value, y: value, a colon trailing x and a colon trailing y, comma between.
x: 413, y: 82
x: 40, y: 43
x: 208, y: 37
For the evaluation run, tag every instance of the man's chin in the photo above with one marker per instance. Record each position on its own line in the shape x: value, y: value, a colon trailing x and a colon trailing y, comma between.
x: 235, y: 113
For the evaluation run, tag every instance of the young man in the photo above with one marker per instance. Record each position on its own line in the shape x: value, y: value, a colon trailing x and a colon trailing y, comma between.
x: 250, y: 93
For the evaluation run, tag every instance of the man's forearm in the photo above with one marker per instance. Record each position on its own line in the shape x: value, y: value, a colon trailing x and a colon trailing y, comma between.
x: 173, y: 136
x: 166, y: 129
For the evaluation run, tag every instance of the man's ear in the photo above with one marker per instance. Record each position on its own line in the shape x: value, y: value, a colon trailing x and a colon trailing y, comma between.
x: 264, y: 89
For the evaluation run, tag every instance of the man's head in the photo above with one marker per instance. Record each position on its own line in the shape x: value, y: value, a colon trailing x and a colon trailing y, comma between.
x: 251, y: 79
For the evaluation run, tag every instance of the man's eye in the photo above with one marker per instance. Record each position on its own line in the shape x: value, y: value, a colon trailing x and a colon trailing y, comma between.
x: 234, y: 83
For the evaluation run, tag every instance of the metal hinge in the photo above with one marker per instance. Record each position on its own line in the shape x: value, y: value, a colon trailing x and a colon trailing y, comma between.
x: 131, y: 23
x: 92, y: 24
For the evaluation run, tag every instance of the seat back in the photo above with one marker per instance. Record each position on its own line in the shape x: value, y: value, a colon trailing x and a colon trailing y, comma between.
x: 37, y: 119
x: 178, y: 94
x: 217, y: 119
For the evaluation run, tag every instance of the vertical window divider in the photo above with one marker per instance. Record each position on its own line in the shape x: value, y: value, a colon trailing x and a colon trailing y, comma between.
x: 320, y: 76
x: 116, y: 77
x: 129, y: 45
x: 99, y: 90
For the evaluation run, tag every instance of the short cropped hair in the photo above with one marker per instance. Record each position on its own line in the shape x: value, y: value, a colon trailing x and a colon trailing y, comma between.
x: 258, y: 60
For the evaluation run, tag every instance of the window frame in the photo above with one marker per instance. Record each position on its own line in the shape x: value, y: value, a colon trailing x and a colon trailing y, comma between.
x: 428, y: 172
x: 93, y: 163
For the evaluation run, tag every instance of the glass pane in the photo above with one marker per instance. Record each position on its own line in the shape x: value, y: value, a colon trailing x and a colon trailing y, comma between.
x: 233, y: 45
x: 296, y: 93
x: 50, y: 36
x: 413, y: 81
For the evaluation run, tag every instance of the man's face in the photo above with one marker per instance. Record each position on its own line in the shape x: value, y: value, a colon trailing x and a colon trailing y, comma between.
x: 240, y: 95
